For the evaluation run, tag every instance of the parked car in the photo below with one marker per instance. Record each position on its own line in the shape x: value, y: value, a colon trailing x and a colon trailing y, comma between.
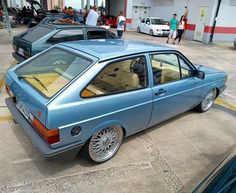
x: 35, y: 14
x: 94, y: 93
x: 109, y: 20
x: 13, y: 21
x: 222, y: 179
x: 43, y: 36
x: 153, y: 26
x: 235, y: 42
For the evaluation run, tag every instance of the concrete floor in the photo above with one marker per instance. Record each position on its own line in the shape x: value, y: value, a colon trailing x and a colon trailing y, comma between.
x: 171, y: 157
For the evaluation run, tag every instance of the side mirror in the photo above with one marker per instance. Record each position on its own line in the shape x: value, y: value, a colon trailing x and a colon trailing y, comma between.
x: 199, y: 74
x: 148, y: 23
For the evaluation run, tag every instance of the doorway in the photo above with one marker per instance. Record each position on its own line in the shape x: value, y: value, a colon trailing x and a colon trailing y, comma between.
x: 201, y: 22
x: 139, y: 12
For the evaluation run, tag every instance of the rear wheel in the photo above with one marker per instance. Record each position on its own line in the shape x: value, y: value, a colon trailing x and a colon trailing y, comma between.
x: 207, y: 102
x: 104, y: 144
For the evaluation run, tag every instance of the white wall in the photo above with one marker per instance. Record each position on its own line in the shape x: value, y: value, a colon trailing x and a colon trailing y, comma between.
x: 226, y: 15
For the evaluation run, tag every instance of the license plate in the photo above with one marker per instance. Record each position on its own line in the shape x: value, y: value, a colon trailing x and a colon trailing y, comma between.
x: 21, y: 51
x: 23, y: 110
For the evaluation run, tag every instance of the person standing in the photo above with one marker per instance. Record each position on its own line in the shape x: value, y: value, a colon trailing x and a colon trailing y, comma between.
x: 120, y: 22
x: 1, y: 18
x: 181, y: 28
x: 92, y: 17
x: 173, y: 28
x: 70, y: 17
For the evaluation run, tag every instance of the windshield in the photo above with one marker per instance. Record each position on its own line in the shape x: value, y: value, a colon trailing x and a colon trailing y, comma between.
x: 36, y: 33
x: 157, y: 21
x: 51, y: 71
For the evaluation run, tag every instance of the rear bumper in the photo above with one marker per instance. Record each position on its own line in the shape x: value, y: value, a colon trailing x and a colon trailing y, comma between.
x: 37, y: 141
x: 18, y: 57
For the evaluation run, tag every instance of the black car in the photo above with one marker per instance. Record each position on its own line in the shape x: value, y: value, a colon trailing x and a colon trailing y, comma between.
x: 43, y: 36
x: 222, y: 179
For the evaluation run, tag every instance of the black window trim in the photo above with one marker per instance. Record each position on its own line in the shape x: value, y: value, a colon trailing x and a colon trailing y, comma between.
x: 111, y: 61
x: 178, y: 54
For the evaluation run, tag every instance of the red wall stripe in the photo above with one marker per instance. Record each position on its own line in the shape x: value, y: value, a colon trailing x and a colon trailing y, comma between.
x: 190, y: 27
x: 128, y: 20
x: 218, y: 29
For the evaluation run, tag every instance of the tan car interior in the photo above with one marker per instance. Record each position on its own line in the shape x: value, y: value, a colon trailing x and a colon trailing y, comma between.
x: 131, y: 74
x: 115, y: 77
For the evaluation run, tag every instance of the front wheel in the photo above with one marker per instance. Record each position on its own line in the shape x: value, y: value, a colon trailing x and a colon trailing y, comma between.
x: 138, y: 30
x: 207, y: 102
x: 151, y: 32
x: 104, y: 144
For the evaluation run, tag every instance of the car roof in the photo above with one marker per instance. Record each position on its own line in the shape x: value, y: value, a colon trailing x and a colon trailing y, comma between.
x: 153, y: 17
x: 105, y: 49
x: 64, y: 26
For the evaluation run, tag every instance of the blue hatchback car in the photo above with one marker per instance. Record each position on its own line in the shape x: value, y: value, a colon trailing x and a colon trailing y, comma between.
x: 94, y: 93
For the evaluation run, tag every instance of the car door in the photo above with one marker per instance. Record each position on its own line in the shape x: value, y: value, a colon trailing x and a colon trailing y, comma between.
x: 147, y: 25
x: 141, y: 25
x: 120, y: 91
x: 175, y: 88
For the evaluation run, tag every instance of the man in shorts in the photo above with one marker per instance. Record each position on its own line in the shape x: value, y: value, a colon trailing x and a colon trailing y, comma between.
x: 173, y: 28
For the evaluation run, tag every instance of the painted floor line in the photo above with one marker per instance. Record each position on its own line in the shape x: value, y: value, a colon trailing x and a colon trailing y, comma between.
x: 222, y: 102
x: 6, y: 118
x: 2, y: 81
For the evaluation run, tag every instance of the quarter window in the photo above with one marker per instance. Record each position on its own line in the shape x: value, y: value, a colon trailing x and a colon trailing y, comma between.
x: 68, y: 35
x: 121, y: 76
x: 99, y: 34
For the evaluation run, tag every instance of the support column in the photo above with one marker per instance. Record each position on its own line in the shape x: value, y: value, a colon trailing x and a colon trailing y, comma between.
x: 88, y: 4
x: 82, y: 5
x: 96, y: 3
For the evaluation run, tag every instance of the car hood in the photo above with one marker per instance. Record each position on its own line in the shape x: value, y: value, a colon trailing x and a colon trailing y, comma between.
x: 160, y: 27
x: 207, y: 70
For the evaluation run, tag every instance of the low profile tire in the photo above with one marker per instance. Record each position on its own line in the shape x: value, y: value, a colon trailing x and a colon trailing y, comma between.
x: 207, y: 102
x: 104, y: 144
x: 151, y: 32
x: 138, y: 29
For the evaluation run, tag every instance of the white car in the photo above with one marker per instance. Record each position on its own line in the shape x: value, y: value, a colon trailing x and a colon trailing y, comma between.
x: 153, y: 26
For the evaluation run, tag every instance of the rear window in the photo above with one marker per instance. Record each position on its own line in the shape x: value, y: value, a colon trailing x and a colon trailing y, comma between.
x: 34, y: 34
x: 51, y: 71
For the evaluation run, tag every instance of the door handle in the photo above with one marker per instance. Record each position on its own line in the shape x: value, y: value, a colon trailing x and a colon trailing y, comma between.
x: 160, y: 92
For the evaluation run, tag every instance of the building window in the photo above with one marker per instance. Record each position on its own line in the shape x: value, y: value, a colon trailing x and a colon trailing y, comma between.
x: 232, y: 2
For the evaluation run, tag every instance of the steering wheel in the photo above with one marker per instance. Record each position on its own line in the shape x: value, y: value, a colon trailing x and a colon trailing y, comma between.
x: 135, y: 61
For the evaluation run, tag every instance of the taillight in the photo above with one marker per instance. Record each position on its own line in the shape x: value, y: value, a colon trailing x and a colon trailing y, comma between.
x: 27, y: 54
x: 10, y: 93
x: 14, y: 18
x: 50, y: 136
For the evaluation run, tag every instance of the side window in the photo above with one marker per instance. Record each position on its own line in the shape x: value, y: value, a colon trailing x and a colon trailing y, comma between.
x: 165, y: 68
x: 121, y: 76
x: 99, y: 34
x: 148, y: 21
x: 186, y: 70
x: 67, y: 35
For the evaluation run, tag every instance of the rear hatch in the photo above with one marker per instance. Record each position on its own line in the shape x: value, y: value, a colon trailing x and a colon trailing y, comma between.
x: 22, y: 43
x: 28, y: 101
